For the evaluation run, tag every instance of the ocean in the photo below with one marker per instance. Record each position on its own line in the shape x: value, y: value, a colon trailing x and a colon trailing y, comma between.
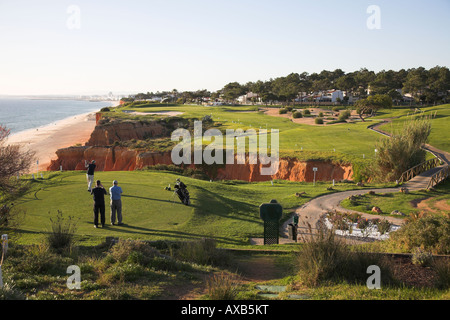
x: 19, y: 114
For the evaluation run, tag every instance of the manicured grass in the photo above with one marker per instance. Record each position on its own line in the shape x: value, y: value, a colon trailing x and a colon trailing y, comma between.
x: 440, y: 135
x: 225, y: 211
x: 346, y: 141
x: 402, y: 202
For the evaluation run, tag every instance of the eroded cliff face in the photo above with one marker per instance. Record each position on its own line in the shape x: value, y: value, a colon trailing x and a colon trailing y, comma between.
x: 123, y: 159
x: 108, y: 157
x: 107, y: 131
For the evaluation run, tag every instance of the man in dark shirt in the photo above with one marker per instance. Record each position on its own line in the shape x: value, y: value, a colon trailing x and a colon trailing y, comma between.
x: 90, y: 173
x: 99, y: 203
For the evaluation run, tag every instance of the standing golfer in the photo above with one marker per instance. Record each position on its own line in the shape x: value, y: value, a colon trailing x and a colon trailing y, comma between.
x: 116, y: 203
x: 99, y: 203
x: 90, y: 173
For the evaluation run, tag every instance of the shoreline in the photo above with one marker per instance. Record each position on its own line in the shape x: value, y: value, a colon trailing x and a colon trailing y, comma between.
x: 47, y: 139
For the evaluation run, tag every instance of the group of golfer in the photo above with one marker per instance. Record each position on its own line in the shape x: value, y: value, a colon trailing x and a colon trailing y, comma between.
x: 98, y: 192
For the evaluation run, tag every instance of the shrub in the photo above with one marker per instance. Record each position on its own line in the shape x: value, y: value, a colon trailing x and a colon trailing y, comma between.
x: 344, y: 115
x: 282, y: 111
x: 133, y: 251
x: 62, y: 231
x: 321, y: 114
x: 324, y: 258
x: 318, y: 121
x: 431, y: 233
x: 442, y: 270
x: 306, y: 111
x: 383, y: 226
x: 222, y: 287
x: 9, y: 292
x: 403, y: 150
x: 297, y: 114
x: 105, y: 109
x: 421, y: 258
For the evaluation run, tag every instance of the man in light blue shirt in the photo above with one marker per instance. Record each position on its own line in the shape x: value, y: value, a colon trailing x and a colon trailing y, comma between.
x: 116, y: 203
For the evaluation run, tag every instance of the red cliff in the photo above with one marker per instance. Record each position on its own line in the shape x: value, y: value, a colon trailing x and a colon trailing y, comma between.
x: 106, y: 134
x: 124, y: 159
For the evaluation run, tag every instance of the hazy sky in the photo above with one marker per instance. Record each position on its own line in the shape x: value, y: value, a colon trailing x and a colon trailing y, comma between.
x: 75, y: 47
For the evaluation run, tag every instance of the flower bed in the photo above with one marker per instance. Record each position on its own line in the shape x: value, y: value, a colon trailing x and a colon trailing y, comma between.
x: 354, y: 225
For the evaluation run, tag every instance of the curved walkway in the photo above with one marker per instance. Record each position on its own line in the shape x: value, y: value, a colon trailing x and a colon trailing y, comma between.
x: 311, y: 212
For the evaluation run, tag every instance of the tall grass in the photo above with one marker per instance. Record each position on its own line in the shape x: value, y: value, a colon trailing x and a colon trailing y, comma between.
x: 61, y: 236
x: 222, y: 286
x: 326, y: 258
x: 403, y: 150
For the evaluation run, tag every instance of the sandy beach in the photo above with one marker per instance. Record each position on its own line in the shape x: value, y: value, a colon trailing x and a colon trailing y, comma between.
x: 45, y: 140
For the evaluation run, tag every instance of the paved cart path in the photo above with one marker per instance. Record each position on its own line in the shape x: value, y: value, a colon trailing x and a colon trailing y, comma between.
x: 311, y: 212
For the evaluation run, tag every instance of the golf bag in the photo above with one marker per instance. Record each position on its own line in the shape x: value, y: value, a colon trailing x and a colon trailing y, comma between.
x: 182, y: 192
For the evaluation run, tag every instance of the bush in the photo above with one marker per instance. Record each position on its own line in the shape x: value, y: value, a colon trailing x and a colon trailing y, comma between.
x: 105, y: 109
x: 430, y: 233
x: 344, y: 115
x: 421, y: 258
x: 325, y: 258
x: 133, y: 251
x: 222, y: 287
x: 60, y: 237
x: 306, y: 111
x: 384, y: 226
x: 282, y: 111
x: 320, y: 114
x: 297, y: 114
x: 403, y: 150
x: 442, y: 269
x: 318, y: 121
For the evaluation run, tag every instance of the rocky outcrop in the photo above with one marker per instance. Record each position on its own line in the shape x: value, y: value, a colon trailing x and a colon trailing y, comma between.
x: 107, y: 132
x: 114, y: 158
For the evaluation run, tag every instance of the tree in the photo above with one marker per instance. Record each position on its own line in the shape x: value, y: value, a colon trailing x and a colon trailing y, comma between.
x: 233, y: 90
x: 346, y: 83
x: 13, y: 161
x: 363, y: 77
x: 415, y: 83
x: 438, y: 84
x: 372, y: 104
x: 286, y: 88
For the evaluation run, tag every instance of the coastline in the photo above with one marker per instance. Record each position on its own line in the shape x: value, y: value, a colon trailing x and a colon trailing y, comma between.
x: 47, y: 139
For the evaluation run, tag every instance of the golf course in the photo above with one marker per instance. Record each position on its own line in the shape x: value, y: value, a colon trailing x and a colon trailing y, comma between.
x: 210, y: 243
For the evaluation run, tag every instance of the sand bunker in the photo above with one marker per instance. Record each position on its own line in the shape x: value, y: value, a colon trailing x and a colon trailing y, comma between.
x: 163, y: 113
x: 309, y: 120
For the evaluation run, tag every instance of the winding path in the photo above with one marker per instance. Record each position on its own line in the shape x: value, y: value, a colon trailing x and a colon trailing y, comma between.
x: 311, y: 212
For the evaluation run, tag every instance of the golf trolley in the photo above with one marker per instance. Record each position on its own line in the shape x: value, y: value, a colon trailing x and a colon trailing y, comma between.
x: 181, y: 191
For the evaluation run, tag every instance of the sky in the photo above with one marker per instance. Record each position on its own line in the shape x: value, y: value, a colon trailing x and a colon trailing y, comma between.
x: 96, y: 47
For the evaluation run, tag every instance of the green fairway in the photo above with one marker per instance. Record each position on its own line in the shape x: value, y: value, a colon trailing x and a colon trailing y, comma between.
x: 225, y: 211
x: 440, y: 133
x: 346, y: 141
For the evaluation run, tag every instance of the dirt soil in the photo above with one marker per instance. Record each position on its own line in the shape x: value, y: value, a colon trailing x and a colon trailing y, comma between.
x: 413, y: 275
x: 427, y: 205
